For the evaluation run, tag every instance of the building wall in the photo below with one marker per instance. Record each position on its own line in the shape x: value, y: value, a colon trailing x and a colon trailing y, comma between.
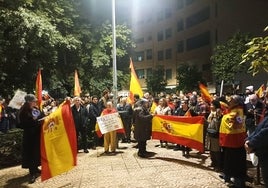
x: 203, y: 24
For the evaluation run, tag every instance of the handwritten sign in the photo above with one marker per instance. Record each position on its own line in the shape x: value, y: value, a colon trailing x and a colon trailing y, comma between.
x: 18, y: 99
x: 109, y: 122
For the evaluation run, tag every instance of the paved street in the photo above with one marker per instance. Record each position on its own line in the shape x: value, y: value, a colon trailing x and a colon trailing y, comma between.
x: 166, y: 168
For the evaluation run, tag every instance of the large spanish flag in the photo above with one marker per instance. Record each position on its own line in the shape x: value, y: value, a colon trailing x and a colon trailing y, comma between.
x: 58, y: 142
x: 187, y: 131
x: 135, y: 87
x: 77, y: 88
x: 38, y: 89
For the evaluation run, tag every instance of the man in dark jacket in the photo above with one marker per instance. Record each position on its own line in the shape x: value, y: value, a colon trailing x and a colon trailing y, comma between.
x: 94, y: 112
x: 142, y: 120
x: 80, y: 119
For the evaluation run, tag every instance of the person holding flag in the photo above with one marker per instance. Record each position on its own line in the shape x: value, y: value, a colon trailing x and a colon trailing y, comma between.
x: 28, y: 118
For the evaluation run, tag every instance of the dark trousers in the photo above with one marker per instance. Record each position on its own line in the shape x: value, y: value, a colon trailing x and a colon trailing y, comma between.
x: 142, y: 147
x: 264, y: 171
x: 82, y: 131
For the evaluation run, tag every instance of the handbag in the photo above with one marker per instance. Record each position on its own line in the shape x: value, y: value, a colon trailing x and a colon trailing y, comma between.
x: 213, y: 133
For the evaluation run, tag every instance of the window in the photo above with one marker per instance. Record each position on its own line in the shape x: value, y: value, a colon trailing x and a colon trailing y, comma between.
x: 168, y: 53
x: 139, y: 56
x: 160, y: 55
x: 168, y: 12
x: 149, y: 54
x: 140, y: 73
x: 160, y: 35
x: 188, y: 2
x: 180, y: 25
x: 179, y: 4
x: 197, y: 18
x: 198, y: 41
x: 140, y: 40
x: 168, y: 74
x: 160, y: 16
x: 168, y: 33
x: 180, y: 46
x: 149, y: 38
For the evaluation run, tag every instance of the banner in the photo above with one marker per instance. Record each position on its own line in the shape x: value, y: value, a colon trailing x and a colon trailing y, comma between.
x: 109, y: 122
x: 187, y: 131
x: 58, y: 142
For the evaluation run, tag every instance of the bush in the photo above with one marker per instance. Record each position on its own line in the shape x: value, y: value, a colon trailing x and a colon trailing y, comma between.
x: 10, y: 148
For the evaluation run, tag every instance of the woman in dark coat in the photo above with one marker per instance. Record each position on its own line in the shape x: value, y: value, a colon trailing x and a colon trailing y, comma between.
x: 142, y: 120
x: 28, y: 119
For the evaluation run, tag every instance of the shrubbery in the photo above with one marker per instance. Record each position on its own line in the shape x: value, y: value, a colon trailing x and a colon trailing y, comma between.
x: 10, y: 148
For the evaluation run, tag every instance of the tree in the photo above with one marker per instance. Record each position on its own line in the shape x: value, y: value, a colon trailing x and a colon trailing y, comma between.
x: 226, y: 58
x: 188, y: 78
x: 257, y: 54
x: 56, y: 36
x: 156, y: 81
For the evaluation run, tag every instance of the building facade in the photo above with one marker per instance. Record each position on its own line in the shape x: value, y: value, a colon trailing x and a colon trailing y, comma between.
x: 173, y: 32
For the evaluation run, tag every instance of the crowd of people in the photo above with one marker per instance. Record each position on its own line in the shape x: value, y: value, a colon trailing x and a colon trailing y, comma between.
x: 234, y: 126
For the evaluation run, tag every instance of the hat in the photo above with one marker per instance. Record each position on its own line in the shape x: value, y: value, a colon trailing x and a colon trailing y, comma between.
x: 30, y: 98
x: 250, y: 88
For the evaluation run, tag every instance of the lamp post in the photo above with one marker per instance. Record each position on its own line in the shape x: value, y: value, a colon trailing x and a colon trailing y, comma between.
x: 114, y: 55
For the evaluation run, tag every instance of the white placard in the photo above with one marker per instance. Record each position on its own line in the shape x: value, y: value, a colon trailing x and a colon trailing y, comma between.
x: 18, y: 99
x: 109, y: 122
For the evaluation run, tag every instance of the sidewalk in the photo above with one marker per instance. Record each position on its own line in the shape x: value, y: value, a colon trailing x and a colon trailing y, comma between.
x: 166, y: 168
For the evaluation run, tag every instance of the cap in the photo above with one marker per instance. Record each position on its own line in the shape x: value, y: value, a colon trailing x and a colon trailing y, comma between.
x: 250, y: 88
x: 30, y: 98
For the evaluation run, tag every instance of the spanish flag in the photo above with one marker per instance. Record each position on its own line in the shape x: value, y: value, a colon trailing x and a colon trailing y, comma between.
x: 58, y: 142
x: 187, y: 131
x: 260, y: 91
x: 204, y: 93
x: 38, y: 89
x: 134, y: 87
x: 77, y: 88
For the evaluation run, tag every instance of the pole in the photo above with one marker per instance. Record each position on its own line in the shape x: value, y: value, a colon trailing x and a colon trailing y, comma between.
x: 221, y: 88
x: 114, y: 55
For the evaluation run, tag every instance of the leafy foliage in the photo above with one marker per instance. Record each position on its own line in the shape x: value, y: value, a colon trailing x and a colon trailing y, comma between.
x: 188, y: 78
x: 257, y: 54
x: 227, y: 57
x: 55, y: 35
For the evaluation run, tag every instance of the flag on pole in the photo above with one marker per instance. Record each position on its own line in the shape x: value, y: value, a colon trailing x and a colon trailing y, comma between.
x: 58, y: 142
x: 135, y: 87
x: 260, y: 91
x: 204, y: 93
x: 38, y: 89
x: 187, y: 131
x: 77, y: 88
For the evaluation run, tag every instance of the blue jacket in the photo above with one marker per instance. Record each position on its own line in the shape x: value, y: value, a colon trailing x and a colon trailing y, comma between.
x: 258, y: 140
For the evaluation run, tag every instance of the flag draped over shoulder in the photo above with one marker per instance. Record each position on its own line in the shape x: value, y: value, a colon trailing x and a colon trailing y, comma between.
x: 77, y: 88
x: 58, y: 142
x: 187, y: 131
x: 204, y: 93
x: 38, y: 88
x: 134, y: 87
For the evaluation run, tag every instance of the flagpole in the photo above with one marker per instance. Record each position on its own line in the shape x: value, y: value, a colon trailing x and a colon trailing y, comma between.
x: 114, y: 54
